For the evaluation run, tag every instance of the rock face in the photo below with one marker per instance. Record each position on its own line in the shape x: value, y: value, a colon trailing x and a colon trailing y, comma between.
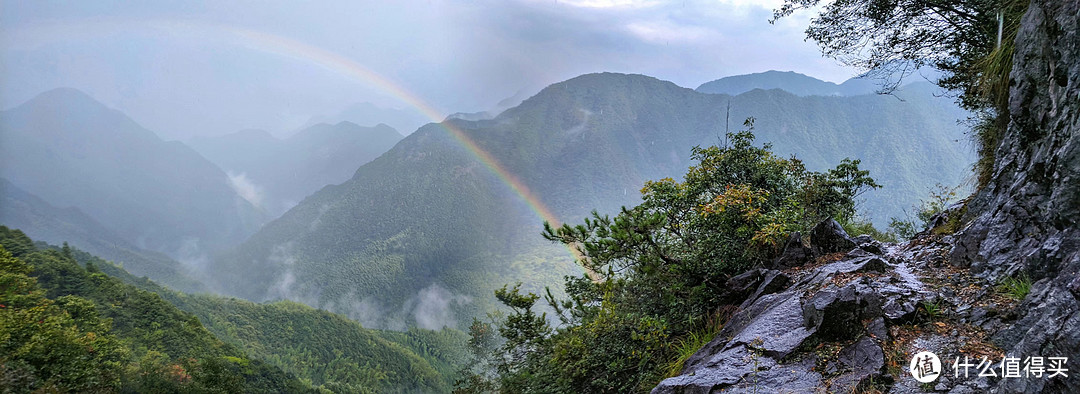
x: 1025, y: 221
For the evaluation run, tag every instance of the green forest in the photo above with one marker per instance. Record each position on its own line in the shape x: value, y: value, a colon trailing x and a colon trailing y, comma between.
x: 76, y: 323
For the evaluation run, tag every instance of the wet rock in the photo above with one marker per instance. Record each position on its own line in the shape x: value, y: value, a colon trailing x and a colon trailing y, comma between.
x: 1074, y: 286
x: 777, y: 329
x: 829, y: 237
x: 865, y: 238
x: 859, y: 362
x: 837, y: 314
x: 744, y: 284
x: 877, y: 329
x: 873, y: 247
x: 774, y: 281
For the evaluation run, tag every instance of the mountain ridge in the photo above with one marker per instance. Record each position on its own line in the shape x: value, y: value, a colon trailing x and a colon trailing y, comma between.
x: 428, y: 214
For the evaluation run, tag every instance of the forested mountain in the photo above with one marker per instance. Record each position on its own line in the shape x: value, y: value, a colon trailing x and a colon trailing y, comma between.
x: 276, y: 174
x: 790, y: 81
x: 152, y: 339
x: 47, y: 223
x: 428, y: 228
x: 72, y: 151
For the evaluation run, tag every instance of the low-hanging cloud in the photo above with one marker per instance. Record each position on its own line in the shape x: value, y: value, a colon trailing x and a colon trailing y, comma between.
x: 434, y: 307
x: 246, y: 188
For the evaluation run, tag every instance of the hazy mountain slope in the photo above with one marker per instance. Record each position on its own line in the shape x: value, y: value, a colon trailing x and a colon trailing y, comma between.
x: 428, y: 221
x: 72, y: 151
x: 277, y: 173
x: 41, y: 221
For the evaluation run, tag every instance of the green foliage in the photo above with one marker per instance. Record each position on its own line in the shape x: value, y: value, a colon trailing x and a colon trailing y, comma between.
x: 858, y: 226
x: 932, y: 309
x: 662, y: 264
x: 147, y: 344
x: 939, y: 199
x: 1016, y: 287
x: 261, y: 346
x: 696, y: 339
x: 48, y: 345
x: 479, y: 373
x: 330, y: 350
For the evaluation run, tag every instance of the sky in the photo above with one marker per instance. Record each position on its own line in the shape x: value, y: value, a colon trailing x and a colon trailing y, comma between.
x: 201, y: 68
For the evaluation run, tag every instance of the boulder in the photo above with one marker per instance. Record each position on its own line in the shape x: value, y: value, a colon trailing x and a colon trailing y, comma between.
x: 829, y: 237
x: 857, y: 364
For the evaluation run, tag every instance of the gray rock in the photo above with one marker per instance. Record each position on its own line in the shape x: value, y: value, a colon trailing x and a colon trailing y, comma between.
x: 744, y: 284
x: 829, y: 237
x: 778, y: 328
x: 872, y: 246
x: 859, y: 362
x: 837, y: 314
x: 862, y: 239
x: 774, y: 281
x: 877, y: 329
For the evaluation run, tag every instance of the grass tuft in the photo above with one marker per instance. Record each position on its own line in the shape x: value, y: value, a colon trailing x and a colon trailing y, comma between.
x: 696, y: 339
x: 1017, y: 288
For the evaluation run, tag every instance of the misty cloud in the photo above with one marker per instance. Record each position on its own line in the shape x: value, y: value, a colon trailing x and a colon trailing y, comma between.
x: 433, y: 308
x: 246, y: 188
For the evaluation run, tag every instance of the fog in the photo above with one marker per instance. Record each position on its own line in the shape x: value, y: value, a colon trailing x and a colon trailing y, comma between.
x: 209, y: 68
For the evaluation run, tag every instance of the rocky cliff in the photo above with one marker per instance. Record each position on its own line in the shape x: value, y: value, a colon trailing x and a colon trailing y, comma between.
x: 843, y: 315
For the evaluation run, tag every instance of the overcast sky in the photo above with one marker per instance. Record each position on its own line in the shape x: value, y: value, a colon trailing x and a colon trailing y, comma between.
x: 212, y: 67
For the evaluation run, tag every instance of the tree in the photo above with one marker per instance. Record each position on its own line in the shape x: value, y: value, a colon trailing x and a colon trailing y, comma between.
x: 52, y: 346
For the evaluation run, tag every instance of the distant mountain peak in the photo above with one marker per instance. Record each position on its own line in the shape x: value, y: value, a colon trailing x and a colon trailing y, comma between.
x: 65, y: 94
x: 67, y: 99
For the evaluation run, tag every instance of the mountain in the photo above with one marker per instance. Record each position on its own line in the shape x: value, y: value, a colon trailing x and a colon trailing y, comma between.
x: 790, y: 81
x: 41, y: 221
x: 365, y: 114
x: 276, y: 174
x: 73, y: 151
x: 427, y: 227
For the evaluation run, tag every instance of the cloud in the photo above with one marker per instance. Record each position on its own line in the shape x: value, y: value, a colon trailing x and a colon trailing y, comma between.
x: 611, y: 3
x: 246, y: 188
x: 665, y: 32
x: 434, y: 307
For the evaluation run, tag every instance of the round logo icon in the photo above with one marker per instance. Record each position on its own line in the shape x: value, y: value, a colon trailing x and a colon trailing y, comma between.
x: 925, y: 367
